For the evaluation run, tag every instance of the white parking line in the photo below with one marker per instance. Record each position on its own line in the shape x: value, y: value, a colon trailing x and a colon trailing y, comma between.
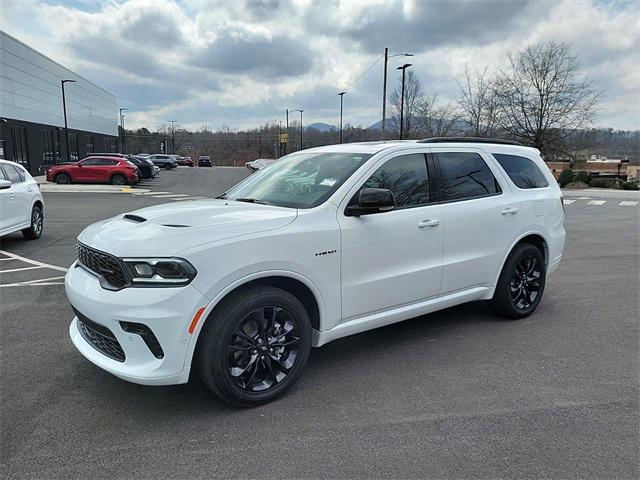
x: 628, y: 204
x: 568, y: 202
x: 149, y: 193
x: 20, y: 269
x: 596, y: 202
x: 33, y: 262
x: 35, y: 283
x: 170, y: 195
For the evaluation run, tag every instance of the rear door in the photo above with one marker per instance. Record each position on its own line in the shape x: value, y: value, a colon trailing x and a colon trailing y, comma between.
x: 16, y: 198
x: 104, y: 169
x: 482, y: 216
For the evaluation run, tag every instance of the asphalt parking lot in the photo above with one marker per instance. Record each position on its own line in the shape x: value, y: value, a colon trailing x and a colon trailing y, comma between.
x: 456, y: 394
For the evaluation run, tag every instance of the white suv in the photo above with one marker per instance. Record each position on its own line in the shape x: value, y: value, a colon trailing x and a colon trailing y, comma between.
x: 21, y: 203
x: 324, y: 243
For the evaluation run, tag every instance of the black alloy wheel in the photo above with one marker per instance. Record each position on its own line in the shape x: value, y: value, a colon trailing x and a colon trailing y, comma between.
x: 521, y: 284
x: 63, y: 179
x: 262, y: 349
x: 254, y: 345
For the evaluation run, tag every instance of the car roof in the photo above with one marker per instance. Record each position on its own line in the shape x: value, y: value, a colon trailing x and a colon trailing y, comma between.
x: 98, y: 155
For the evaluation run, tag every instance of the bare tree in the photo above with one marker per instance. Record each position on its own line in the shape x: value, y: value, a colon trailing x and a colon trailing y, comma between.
x: 479, y: 103
x: 541, y: 96
x: 434, y: 119
x: 413, y: 98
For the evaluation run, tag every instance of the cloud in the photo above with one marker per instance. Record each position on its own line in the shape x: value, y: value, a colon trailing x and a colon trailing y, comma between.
x: 242, y: 62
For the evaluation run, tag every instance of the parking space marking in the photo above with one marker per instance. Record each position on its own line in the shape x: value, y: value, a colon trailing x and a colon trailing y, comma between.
x: 36, y: 283
x: 568, y: 202
x: 596, y: 202
x: 628, y: 204
x: 20, y: 269
x: 33, y: 262
x: 149, y: 193
x: 170, y: 195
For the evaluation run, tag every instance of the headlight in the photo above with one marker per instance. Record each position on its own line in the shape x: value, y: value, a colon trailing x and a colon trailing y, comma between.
x: 160, y: 272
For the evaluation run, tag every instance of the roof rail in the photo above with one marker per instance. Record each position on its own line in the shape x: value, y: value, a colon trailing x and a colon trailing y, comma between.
x: 469, y: 140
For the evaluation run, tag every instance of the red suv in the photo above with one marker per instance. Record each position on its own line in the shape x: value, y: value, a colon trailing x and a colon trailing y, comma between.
x: 113, y: 170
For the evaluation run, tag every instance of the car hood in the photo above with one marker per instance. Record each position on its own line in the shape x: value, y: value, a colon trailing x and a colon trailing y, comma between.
x: 165, y: 230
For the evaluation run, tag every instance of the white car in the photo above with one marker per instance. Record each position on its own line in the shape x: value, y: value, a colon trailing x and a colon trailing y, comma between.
x: 325, y: 243
x: 21, y: 203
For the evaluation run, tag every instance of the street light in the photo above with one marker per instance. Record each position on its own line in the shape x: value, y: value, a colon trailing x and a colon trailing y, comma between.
x: 341, y: 97
x: 122, y: 140
x: 300, y: 126
x: 64, y: 109
x: 384, y: 84
x: 173, y: 136
x: 403, y: 68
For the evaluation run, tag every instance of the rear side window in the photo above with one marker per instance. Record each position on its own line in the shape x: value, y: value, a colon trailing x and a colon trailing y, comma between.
x: 522, y: 171
x: 13, y: 174
x: 406, y: 176
x: 465, y: 175
x: 106, y: 162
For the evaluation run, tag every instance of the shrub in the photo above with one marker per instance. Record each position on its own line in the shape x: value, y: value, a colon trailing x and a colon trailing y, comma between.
x: 604, y: 183
x: 630, y: 186
x: 582, y: 177
x: 566, y: 176
x: 576, y: 185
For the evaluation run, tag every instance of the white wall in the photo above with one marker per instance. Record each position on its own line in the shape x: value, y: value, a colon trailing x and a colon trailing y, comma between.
x: 30, y: 91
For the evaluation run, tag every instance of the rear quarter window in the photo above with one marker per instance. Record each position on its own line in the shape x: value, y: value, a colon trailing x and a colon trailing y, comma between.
x: 522, y: 171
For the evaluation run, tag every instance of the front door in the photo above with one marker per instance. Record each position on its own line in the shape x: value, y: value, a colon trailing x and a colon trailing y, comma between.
x: 392, y: 258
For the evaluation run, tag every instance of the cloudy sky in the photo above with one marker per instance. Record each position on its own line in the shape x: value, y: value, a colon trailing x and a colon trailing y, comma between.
x: 240, y: 63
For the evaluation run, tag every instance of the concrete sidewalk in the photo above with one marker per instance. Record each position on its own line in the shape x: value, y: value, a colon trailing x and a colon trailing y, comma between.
x: 48, y: 187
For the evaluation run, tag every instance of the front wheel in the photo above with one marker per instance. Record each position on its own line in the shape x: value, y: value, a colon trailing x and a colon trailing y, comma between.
x: 521, y: 283
x: 255, y: 346
x: 37, y: 224
x: 63, y: 179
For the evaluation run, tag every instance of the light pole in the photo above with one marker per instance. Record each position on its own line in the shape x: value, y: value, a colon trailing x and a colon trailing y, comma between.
x: 122, y: 140
x: 64, y: 110
x: 384, y: 85
x: 403, y: 68
x: 287, y: 132
x: 173, y: 136
x: 341, y: 97
x: 300, y: 126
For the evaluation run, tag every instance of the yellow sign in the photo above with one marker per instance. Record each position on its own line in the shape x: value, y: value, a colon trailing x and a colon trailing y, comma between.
x: 283, y: 138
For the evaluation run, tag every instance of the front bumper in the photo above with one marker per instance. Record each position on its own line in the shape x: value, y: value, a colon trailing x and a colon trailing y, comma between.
x: 167, y: 312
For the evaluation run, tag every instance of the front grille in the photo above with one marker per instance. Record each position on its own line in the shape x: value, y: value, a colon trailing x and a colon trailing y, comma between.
x: 103, y: 264
x: 100, y: 338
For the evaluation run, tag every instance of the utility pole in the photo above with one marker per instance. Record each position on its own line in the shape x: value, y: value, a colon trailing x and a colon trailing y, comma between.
x: 384, y: 86
x: 64, y: 110
x: 403, y: 68
x: 122, y: 140
x: 287, y: 132
x: 341, y: 97
x: 300, y: 126
x: 173, y: 136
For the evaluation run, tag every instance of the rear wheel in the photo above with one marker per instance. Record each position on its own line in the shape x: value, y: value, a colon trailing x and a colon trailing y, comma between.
x: 63, y: 179
x: 521, y: 283
x: 255, y: 347
x: 167, y: 166
x: 37, y: 224
x: 118, y: 179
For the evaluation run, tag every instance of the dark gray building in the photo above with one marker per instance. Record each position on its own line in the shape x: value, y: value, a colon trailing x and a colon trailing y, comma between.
x: 31, y: 113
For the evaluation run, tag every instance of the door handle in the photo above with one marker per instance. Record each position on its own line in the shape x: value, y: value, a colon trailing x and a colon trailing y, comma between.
x: 13, y: 195
x: 509, y: 211
x: 429, y: 223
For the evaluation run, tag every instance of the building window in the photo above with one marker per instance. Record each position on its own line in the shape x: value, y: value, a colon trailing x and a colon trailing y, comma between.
x: 91, y: 144
x: 73, y: 147
x: 19, y: 146
x: 48, y: 152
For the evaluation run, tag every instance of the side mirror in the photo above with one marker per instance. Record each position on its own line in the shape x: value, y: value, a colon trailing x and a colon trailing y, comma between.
x: 372, y: 200
x: 4, y: 184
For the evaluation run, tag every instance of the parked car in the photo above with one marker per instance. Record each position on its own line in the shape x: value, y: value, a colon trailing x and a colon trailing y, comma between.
x: 114, y: 170
x: 259, y: 164
x: 163, y: 161
x: 325, y: 243
x: 21, y: 203
x: 204, y: 161
x: 186, y: 161
x: 145, y: 169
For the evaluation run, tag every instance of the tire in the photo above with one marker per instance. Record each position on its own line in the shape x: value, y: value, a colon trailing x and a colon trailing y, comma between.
x: 521, y: 284
x: 233, y: 355
x: 63, y: 179
x: 37, y: 224
x: 118, y: 179
x: 167, y: 166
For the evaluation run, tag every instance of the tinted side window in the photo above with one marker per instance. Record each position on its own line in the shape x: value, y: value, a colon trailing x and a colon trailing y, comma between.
x: 12, y: 174
x: 105, y: 161
x: 90, y: 162
x: 406, y: 176
x: 465, y: 175
x: 522, y: 171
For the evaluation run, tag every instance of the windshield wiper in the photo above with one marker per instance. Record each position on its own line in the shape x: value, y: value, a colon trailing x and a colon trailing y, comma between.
x: 222, y: 196
x: 252, y: 200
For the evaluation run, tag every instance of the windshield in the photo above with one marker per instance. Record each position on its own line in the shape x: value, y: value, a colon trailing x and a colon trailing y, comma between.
x: 298, y: 180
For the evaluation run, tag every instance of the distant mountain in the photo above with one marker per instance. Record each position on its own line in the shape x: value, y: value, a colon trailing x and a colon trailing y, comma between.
x: 321, y: 127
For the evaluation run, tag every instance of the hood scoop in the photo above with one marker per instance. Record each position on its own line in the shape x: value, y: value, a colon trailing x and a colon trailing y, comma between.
x: 134, y: 218
x: 174, y: 225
